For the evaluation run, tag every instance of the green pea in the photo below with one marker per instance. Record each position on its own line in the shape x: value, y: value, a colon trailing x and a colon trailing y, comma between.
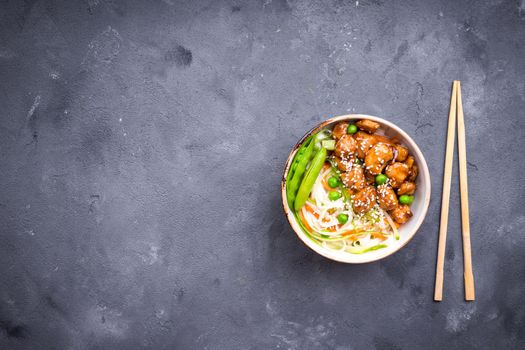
x: 334, y: 195
x: 333, y: 182
x: 358, y: 161
x: 381, y: 179
x: 352, y: 129
x: 406, y: 199
x: 342, y: 218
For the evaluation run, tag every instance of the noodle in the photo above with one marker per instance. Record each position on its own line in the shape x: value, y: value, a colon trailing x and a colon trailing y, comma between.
x: 360, y: 234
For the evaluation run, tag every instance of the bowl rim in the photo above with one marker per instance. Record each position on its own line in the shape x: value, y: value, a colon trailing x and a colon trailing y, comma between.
x: 423, y: 172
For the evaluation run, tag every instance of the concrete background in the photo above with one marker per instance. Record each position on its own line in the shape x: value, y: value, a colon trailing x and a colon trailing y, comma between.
x: 141, y: 150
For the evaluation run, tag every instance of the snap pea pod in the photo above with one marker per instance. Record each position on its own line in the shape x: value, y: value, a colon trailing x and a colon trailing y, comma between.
x: 304, y: 155
x: 298, y: 157
x: 309, y: 178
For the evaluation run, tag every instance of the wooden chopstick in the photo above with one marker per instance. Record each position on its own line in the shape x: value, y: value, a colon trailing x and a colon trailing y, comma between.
x: 463, y: 185
x: 445, y: 199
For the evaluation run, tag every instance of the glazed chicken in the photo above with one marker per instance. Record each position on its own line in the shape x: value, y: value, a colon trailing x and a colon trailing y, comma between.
x: 364, y: 199
x: 368, y: 125
x: 409, y: 161
x: 406, y: 187
x: 343, y: 164
x: 364, y: 143
x: 412, y: 173
x: 370, y: 179
x: 397, y: 173
x: 345, y: 147
x: 377, y: 158
x: 402, y: 153
x: 386, y: 197
x: 339, y: 130
x: 413, y: 170
x: 354, y: 179
x: 401, y: 213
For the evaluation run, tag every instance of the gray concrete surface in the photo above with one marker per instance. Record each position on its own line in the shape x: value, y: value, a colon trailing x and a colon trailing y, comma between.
x: 141, y: 149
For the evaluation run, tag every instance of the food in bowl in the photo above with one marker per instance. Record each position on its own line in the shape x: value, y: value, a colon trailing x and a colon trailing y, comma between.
x: 350, y: 187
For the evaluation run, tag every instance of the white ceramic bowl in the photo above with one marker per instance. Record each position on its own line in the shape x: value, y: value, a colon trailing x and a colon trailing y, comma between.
x: 419, y: 206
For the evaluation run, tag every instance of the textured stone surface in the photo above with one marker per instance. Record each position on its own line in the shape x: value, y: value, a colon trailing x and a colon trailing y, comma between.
x: 142, y: 144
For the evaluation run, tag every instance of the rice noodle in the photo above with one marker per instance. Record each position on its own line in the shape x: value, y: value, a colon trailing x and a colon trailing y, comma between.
x: 360, y: 233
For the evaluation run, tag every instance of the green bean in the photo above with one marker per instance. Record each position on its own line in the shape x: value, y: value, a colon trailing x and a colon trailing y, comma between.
x: 303, y: 156
x: 309, y: 178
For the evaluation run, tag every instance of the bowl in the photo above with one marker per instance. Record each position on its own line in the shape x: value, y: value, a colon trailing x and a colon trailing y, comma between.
x: 419, y: 207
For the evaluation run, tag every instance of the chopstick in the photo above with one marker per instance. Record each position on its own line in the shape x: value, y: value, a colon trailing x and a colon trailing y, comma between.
x: 465, y: 224
x: 445, y: 198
